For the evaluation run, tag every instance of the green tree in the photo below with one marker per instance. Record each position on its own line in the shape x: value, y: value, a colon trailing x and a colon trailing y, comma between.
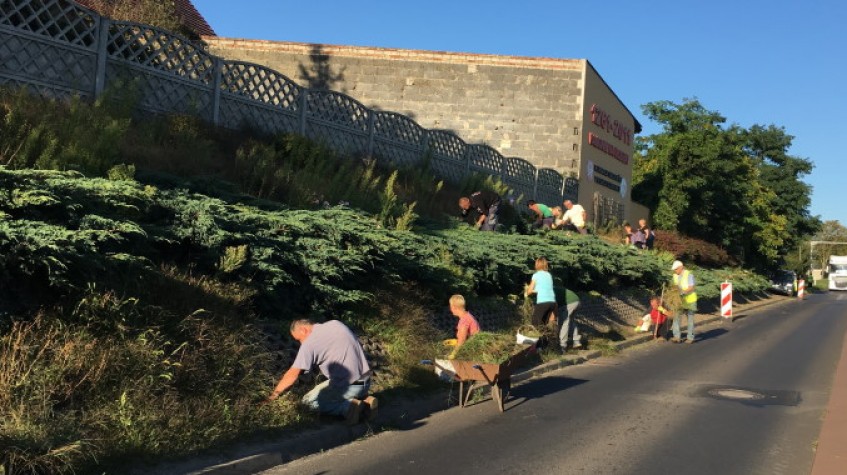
x: 782, y: 174
x: 692, y: 174
x: 700, y: 181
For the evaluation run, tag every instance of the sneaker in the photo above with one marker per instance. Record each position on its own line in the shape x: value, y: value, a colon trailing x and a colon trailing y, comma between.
x: 577, y: 346
x: 354, y: 411
x: 660, y: 340
x: 371, y: 407
x: 689, y: 341
x: 676, y: 340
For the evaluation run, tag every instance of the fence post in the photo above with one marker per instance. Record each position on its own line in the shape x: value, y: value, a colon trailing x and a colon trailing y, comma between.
x: 535, y: 185
x: 103, y: 25
x: 371, y: 131
x: 425, y: 148
x: 467, y: 161
x: 216, y: 91
x: 304, y: 105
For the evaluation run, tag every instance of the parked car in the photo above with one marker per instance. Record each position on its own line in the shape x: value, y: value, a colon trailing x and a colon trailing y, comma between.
x: 783, y: 282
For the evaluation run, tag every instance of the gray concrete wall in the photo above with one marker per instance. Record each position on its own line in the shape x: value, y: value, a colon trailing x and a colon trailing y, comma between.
x: 523, y: 107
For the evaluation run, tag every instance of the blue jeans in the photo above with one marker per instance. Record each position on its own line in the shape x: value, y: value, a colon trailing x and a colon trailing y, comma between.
x: 333, y: 400
x: 490, y: 223
x: 689, y: 315
x: 568, y: 328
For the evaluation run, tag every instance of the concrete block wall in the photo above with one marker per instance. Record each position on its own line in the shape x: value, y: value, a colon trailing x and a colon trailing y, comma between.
x: 524, y: 107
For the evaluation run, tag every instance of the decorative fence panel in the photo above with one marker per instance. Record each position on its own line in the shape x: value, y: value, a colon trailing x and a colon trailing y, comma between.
x: 397, y: 139
x: 448, y: 155
x: 255, y: 97
x: 171, y: 74
x: 549, y: 187
x: 57, y: 48
x: 49, y: 47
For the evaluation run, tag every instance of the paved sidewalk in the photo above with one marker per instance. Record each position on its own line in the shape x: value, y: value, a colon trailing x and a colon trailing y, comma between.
x: 831, y: 452
x: 407, y: 413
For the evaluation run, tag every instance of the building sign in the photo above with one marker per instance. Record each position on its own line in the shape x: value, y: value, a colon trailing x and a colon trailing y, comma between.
x: 608, y: 148
x: 617, y: 129
x: 606, y: 178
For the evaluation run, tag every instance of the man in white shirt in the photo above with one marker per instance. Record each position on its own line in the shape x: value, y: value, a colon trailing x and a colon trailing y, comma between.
x: 575, y: 217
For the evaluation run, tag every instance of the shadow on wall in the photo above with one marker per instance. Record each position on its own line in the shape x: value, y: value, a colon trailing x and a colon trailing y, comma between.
x: 319, y: 75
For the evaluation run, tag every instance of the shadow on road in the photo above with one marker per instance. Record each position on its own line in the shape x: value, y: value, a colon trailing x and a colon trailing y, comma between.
x: 539, y: 388
x: 709, y: 334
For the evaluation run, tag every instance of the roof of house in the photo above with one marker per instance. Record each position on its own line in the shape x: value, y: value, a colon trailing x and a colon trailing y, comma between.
x: 188, y: 16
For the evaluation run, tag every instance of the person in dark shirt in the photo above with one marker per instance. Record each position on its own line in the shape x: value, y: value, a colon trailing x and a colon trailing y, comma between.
x: 650, y: 238
x: 486, y: 204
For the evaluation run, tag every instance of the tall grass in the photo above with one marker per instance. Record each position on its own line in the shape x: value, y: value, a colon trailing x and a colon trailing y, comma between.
x: 87, y: 389
x: 38, y: 133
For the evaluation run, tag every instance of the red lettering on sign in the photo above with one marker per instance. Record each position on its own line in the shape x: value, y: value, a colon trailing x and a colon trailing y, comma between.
x: 607, y: 148
x: 602, y: 119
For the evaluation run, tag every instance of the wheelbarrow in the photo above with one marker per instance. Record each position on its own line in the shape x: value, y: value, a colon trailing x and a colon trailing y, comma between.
x: 473, y: 375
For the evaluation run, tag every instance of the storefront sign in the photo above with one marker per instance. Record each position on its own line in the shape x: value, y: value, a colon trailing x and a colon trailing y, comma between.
x: 607, y: 148
x: 619, y: 130
x: 606, y: 178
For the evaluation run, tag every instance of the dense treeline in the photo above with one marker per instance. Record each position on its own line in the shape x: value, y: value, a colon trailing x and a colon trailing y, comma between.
x: 734, y: 187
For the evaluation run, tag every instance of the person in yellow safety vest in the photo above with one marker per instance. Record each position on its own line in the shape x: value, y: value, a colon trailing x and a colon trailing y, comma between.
x: 684, y: 280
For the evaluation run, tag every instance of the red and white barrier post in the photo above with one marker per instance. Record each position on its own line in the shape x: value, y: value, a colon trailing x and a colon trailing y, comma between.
x: 726, y: 299
x: 801, y: 289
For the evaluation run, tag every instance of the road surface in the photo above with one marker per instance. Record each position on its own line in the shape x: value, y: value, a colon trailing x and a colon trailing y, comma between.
x: 747, y: 398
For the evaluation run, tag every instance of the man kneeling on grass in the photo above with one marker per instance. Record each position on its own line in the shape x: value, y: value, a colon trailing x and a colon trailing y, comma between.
x: 337, y: 352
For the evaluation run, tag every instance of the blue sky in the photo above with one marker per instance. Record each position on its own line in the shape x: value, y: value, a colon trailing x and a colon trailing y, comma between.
x: 775, y: 62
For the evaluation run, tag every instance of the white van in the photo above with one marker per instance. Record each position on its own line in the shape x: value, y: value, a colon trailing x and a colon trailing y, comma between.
x: 837, y: 272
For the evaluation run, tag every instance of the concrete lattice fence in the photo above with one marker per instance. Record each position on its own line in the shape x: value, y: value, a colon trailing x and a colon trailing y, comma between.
x: 60, y: 49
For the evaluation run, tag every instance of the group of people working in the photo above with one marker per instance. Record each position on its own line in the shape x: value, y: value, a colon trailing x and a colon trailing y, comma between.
x: 641, y: 237
x: 573, y: 219
x: 337, y: 352
x: 487, y: 207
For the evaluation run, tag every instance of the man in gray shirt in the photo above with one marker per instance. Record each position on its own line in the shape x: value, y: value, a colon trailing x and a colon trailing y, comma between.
x: 334, y: 348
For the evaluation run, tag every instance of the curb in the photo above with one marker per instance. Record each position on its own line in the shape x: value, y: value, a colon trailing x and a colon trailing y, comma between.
x: 314, y: 441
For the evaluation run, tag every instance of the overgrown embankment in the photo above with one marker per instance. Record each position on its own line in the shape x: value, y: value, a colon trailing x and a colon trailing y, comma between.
x: 132, y: 308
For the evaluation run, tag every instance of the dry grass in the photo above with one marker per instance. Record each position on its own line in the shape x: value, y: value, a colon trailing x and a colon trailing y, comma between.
x: 487, y: 347
x: 116, y: 378
x: 43, y: 367
x: 407, y: 335
x: 671, y: 299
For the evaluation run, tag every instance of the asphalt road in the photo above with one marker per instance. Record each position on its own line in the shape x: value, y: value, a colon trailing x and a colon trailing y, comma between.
x: 747, y: 398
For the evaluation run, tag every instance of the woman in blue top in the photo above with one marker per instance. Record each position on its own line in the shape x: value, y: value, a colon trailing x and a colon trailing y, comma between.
x: 545, y: 300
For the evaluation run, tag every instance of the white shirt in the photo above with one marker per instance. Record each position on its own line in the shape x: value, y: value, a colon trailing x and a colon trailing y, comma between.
x: 574, y: 215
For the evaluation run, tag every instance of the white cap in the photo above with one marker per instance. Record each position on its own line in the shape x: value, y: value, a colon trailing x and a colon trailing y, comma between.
x: 676, y: 265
